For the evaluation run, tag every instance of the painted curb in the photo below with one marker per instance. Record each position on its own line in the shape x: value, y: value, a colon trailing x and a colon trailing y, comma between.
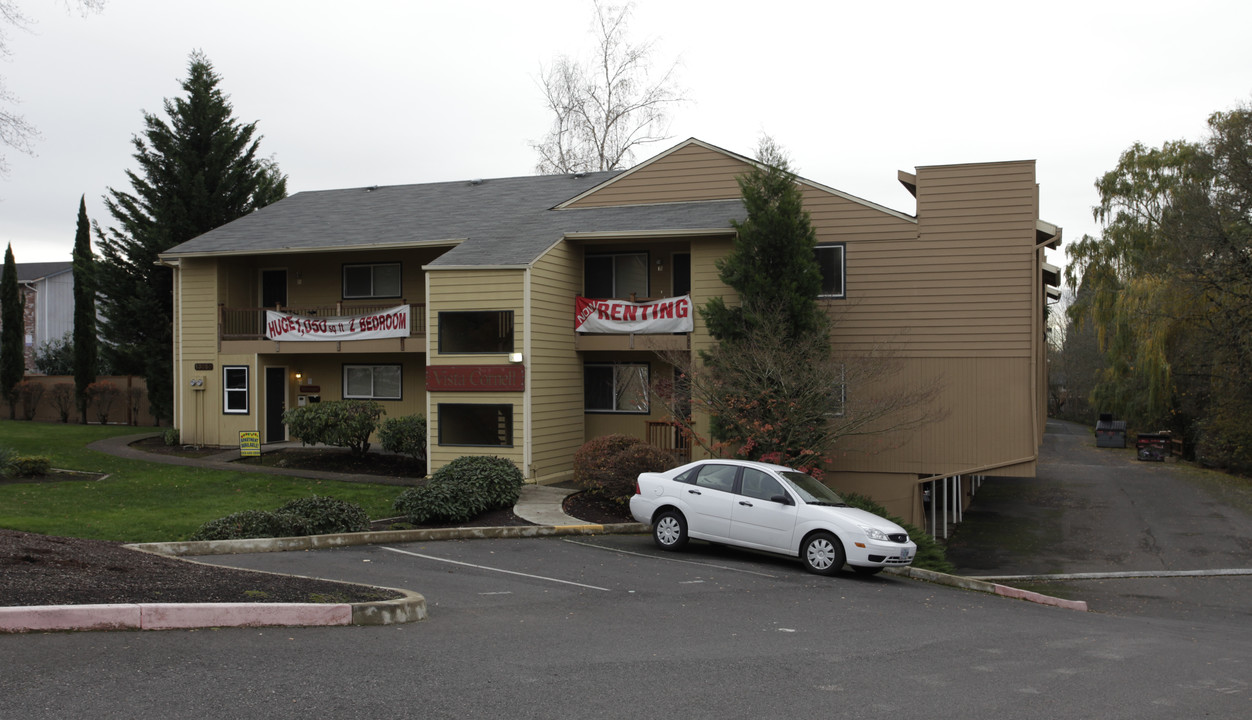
x: 991, y: 588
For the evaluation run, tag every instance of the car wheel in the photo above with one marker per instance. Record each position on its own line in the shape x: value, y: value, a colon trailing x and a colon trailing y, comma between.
x: 669, y: 530
x: 866, y: 571
x: 823, y: 554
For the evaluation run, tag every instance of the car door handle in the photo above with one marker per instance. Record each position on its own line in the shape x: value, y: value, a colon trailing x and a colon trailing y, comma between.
x: 694, y: 492
x: 745, y: 503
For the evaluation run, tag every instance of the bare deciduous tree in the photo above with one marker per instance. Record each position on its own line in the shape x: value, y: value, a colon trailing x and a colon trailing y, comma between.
x: 607, y: 106
x: 15, y: 131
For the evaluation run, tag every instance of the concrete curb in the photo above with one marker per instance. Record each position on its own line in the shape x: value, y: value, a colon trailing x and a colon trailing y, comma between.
x: 987, y: 587
x: 183, y: 616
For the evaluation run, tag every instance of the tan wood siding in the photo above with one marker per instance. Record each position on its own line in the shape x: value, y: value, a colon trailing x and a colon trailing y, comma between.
x: 484, y: 289
x: 198, y: 310
x: 555, y: 370
x: 687, y: 174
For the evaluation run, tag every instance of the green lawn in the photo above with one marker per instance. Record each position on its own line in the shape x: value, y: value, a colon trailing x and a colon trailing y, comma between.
x: 144, y: 501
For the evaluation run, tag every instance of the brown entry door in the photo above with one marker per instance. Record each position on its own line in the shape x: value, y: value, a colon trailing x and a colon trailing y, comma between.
x: 275, y: 404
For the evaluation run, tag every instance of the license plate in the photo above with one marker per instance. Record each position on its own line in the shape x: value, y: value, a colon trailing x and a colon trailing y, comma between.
x: 904, y: 554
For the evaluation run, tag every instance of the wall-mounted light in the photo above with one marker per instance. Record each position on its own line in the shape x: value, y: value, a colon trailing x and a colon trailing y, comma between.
x: 660, y: 265
x: 515, y: 357
x: 299, y: 374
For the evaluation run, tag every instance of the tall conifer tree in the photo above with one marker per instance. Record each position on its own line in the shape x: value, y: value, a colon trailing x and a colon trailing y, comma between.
x: 86, y: 347
x: 12, y: 328
x: 771, y: 264
x: 196, y: 172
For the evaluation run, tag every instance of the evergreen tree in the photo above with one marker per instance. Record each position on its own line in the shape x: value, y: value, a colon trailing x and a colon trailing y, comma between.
x: 771, y: 265
x: 85, y: 341
x: 196, y: 172
x: 12, y: 327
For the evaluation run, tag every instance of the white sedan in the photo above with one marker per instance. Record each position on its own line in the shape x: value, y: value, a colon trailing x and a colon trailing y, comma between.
x: 767, y: 507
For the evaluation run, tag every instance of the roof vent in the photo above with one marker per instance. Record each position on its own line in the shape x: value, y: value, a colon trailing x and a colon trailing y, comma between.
x: 371, y: 188
x: 476, y: 181
x: 579, y: 175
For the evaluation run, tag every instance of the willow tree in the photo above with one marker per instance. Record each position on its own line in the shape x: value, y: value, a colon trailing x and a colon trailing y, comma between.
x: 1170, y: 281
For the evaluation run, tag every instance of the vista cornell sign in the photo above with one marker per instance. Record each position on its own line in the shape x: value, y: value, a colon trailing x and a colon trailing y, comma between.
x: 670, y: 315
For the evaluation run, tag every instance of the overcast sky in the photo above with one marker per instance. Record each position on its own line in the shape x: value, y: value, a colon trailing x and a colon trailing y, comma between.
x: 376, y: 93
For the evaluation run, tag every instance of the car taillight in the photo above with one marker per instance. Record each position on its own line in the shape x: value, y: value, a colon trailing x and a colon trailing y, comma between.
x: 637, y: 488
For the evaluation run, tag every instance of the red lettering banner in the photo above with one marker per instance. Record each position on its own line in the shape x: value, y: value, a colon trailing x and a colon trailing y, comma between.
x: 390, y: 323
x: 669, y: 315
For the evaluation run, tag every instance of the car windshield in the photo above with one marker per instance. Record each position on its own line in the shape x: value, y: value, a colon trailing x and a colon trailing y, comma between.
x: 811, y: 490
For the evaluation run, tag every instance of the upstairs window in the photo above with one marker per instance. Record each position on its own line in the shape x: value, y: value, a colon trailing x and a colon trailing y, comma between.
x: 487, y: 331
x: 615, y: 276
x: 377, y: 280
x: 830, y: 260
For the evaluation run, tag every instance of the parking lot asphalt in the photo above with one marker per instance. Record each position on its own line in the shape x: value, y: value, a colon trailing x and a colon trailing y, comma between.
x: 1161, y: 539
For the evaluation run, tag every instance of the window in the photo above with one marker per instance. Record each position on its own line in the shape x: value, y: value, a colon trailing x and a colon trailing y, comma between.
x: 235, y: 389
x: 615, y: 276
x: 830, y: 259
x: 472, y: 424
x: 489, y: 331
x: 759, y: 485
x: 379, y: 280
x: 371, y: 382
x: 615, y: 387
x: 717, y: 477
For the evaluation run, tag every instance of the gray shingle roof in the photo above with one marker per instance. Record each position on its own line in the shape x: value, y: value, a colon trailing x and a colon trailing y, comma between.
x: 504, y: 221
x: 30, y: 272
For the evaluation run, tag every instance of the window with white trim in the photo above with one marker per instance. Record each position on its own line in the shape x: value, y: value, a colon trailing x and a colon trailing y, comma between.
x: 468, y: 332
x: 830, y: 258
x: 615, y: 388
x: 235, y: 389
x: 375, y: 280
x: 371, y: 382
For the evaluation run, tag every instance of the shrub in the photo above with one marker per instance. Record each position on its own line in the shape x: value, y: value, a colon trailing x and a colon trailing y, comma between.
x: 8, y: 456
x: 325, y: 515
x: 462, y: 490
x: 342, y: 423
x: 405, y: 435
x: 170, y: 436
x: 930, y: 554
x: 30, y: 393
x: 252, y: 524
x: 25, y: 466
x: 62, y: 397
x: 103, y: 395
x: 606, y: 467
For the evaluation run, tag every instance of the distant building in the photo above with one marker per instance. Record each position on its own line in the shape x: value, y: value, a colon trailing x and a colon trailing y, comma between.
x: 48, y: 289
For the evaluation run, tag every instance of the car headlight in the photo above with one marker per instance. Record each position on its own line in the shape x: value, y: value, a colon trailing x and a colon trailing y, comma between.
x: 875, y: 534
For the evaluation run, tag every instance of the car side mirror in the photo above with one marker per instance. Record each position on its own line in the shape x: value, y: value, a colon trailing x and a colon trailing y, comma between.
x: 781, y: 499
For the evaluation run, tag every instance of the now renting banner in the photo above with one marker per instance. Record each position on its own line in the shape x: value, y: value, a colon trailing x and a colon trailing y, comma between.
x: 670, y: 315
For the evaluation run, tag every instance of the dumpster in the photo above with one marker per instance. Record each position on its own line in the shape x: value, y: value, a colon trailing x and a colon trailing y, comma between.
x: 1110, y: 433
x: 1154, y: 447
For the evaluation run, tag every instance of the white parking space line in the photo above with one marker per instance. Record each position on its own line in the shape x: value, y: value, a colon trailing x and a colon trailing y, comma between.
x: 669, y: 559
x: 499, y: 570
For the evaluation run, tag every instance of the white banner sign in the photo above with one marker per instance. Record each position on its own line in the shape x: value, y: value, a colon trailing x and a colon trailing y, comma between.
x: 390, y: 323
x: 671, y: 315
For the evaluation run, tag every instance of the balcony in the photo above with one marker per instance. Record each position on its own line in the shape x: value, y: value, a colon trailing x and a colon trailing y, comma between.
x: 242, y: 327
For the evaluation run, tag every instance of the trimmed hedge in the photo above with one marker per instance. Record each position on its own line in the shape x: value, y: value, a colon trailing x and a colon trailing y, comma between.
x: 405, y: 435
x: 462, y: 490
x: 314, y: 515
x: 342, y: 423
x: 607, y: 467
x: 22, y: 466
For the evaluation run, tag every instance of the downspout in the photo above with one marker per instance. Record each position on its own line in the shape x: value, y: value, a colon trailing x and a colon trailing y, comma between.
x: 528, y: 443
x: 175, y: 267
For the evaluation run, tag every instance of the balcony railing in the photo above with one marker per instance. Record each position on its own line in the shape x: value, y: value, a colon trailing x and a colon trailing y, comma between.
x: 249, y: 323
